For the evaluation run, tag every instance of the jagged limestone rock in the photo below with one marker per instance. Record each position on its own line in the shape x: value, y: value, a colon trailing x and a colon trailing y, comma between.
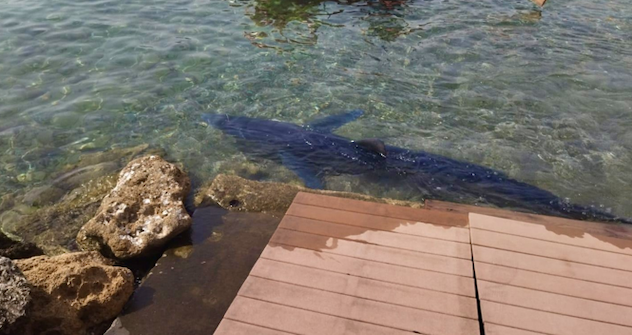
x: 143, y: 212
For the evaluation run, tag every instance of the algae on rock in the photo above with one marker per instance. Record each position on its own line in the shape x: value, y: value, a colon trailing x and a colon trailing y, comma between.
x: 53, y: 228
x: 236, y: 193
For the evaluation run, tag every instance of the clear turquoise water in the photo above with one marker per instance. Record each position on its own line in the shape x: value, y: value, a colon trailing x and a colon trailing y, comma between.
x: 544, y: 96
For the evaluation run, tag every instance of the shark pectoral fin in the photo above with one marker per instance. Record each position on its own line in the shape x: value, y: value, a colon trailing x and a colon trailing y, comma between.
x: 374, y: 145
x: 333, y: 122
x: 307, y: 174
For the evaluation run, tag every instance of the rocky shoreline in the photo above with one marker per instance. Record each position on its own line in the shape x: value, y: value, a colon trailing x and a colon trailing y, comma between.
x: 79, y: 286
x: 77, y: 292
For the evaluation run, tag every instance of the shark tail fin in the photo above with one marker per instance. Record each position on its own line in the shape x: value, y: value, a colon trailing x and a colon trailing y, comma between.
x: 330, y: 123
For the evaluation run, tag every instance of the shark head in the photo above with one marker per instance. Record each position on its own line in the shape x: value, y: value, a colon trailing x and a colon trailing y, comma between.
x: 216, y: 120
x: 250, y: 129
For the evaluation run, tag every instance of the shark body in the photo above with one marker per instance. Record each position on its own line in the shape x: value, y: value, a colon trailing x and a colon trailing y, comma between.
x: 313, y: 151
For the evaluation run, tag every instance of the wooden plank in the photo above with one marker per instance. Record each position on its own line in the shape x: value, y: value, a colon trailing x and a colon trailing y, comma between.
x: 572, y: 237
x: 493, y: 329
x: 380, y: 223
x: 367, y: 288
x: 545, y: 322
x: 380, y: 237
x: 440, y: 282
x: 552, y: 266
x: 555, y: 303
x: 339, y: 266
x: 371, y: 252
x: 397, y: 212
x: 230, y: 327
x: 353, y: 308
x: 554, y: 284
x: 551, y: 250
x: 553, y: 224
x: 299, y: 321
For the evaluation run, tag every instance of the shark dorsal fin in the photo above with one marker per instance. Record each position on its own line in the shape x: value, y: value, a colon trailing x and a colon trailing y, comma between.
x: 374, y: 145
x: 330, y: 123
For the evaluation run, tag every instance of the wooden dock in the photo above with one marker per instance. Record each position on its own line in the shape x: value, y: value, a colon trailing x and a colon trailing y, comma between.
x: 340, y: 266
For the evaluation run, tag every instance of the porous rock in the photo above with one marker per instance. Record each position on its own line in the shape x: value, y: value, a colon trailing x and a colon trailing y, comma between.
x: 142, y: 212
x: 15, y: 294
x: 236, y: 193
x: 73, y: 293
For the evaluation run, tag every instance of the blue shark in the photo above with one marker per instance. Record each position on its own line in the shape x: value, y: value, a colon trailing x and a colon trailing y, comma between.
x: 313, y: 151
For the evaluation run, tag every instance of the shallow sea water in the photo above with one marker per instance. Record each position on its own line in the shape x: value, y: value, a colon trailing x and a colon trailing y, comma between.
x: 544, y: 96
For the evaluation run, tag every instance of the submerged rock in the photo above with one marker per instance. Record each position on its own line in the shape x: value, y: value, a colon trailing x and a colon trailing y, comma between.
x: 53, y: 228
x: 241, y: 166
x: 91, y: 166
x: 236, y: 193
x: 73, y: 293
x: 15, y: 249
x: 79, y: 176
x: 43, y: 195
x: 51, y: 215
x: 7, y: 201
x: 143, y: 211
x: 15, y: 295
